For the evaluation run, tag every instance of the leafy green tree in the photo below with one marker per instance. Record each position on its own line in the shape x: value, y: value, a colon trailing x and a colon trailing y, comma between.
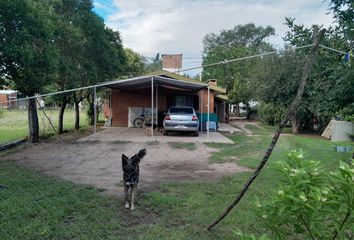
x: 27, y: 50
x: 69, y: 42
x: 343, y: 11
x: 154, y: 64
x: 241, y: 41
x: 331, y: 85
x: 135, y: 63
x: 89, y: 51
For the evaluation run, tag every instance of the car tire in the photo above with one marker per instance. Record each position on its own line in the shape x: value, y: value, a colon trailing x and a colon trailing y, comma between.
x: 165, y: 132
x: 196, y: 133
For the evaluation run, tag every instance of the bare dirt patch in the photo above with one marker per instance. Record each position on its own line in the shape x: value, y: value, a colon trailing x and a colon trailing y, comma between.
x: 241, y: 124
x: 99, y: 163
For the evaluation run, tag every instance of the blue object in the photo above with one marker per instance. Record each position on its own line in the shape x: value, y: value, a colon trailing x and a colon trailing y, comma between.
x: 347, y: 57
x: 211, y: 125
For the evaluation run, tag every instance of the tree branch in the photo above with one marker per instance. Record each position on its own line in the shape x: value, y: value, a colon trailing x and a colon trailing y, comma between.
x: 307, y: 227
x: 341, y: 226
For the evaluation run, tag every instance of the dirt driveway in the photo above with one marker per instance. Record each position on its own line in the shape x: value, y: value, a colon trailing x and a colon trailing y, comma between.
x: 99, y: 163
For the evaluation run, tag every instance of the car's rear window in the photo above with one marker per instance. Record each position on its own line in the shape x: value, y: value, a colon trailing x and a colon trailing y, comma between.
x: 181, y: 110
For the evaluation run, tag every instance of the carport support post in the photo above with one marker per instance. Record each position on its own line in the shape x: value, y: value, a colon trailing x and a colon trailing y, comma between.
x: 208, y: 112
x: 152, y: 108
x: 201, y: 111
x: 157, y: 104
x: 94, y: 111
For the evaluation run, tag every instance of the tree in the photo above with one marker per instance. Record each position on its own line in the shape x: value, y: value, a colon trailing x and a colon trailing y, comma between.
x: 331, y: 86
x: 27, y: 52
x: 90, y: 53
x: 241, y: 41
x: 154, y: 64
x: 343, y: 11
x: 135, y: 63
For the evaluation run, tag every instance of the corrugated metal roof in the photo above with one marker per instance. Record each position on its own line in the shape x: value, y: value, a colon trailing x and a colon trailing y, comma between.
x: 184, y: 78
x: 145, y: 82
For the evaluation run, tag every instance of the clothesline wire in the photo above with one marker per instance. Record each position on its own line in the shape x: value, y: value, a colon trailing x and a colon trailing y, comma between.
x: 223, y: 62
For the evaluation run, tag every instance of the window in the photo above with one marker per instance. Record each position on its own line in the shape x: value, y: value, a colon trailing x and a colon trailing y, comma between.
x: 180, y: 100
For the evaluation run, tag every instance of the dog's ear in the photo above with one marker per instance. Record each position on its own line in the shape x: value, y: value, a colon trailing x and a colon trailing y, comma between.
x: 142, y: 153
x: 124, y: 159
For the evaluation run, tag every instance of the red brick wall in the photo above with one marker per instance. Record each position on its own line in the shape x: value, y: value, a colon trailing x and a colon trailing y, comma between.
x: 203, y: 101
x: 3, y: 98
x: 121, y: 100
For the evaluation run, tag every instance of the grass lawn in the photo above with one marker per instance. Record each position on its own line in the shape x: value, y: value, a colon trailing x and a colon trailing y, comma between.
x: 14, y: 123
x: 35, y: 207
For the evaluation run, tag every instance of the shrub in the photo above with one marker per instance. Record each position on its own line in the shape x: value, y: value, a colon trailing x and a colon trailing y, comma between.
x: 271, y: 114
x: 311, y: 204
x: 347, y: 113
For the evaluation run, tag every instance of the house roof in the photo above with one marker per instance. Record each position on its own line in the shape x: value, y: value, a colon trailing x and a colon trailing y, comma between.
x: 184, y: 78
x: 7, y: 91
x: 222, y: 97
x: 165, y: 79
x: 145, y: 82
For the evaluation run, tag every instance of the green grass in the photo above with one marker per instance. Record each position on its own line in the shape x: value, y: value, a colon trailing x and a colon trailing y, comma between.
x: 181, y: 145
x: 35, y: 207
x: 14, y: 123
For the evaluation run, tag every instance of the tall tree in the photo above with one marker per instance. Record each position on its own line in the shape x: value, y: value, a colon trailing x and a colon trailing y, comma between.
x: 343, y: 11
x: 331, y: 85
x: 27, y: 52
x: 69, y: 41
x: 135, y: 63
x: 241, y: 41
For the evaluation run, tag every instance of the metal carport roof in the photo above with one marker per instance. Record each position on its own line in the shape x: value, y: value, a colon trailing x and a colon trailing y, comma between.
x: 145, y: 82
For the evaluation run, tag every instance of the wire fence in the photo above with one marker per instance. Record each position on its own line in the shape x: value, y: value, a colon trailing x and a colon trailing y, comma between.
x: 71, y: 186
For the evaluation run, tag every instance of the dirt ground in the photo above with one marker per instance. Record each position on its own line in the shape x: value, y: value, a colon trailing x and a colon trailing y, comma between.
x: 99, y: 163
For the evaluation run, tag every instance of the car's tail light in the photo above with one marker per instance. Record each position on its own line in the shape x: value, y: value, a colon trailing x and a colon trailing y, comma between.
x: 194, y: 118
x: 167, y: 117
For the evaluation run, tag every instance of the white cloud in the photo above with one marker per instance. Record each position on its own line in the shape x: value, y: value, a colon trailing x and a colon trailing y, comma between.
x: 178, y: 26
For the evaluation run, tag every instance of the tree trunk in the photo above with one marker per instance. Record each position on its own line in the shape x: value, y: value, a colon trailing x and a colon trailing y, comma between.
x: 77, y: 116
x: 90, y: 112
x: 33, y: 126
x: 294, y: 124
x: 61, y: 117
x: 237, y: 113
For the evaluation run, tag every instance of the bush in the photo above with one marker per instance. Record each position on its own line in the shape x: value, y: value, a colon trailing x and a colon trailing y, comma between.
x: 271, y: 114
x: 347, y: 113
x: 311, y: 204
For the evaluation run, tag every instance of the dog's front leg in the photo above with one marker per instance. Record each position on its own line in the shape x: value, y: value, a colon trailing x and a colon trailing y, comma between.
x: 126, y: 199
x: 134, y: 189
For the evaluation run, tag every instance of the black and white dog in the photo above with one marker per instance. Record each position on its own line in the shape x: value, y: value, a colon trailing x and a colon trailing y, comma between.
x: 130, y: 168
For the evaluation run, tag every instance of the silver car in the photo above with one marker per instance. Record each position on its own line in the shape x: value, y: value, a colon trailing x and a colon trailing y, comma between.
x: 181, y: 119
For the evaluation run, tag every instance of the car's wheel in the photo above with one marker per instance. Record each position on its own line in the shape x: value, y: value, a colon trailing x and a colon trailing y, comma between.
x: 196, y: 133
x: 165, y: 132
x: 138, y: 122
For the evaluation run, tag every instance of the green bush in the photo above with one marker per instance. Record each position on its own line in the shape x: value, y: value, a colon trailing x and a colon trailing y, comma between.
x: 311, y: 203
x: 271, y: 114
x: 347, y: 113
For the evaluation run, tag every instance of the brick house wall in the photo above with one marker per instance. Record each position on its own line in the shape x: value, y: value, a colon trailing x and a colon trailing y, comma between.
x: 3, y: 98
x: 203, y: 101
x: 122, y: 100
x: 7, y: 97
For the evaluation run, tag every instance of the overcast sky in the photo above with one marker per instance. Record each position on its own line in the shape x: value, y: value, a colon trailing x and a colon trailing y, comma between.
x: 178, y: 26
